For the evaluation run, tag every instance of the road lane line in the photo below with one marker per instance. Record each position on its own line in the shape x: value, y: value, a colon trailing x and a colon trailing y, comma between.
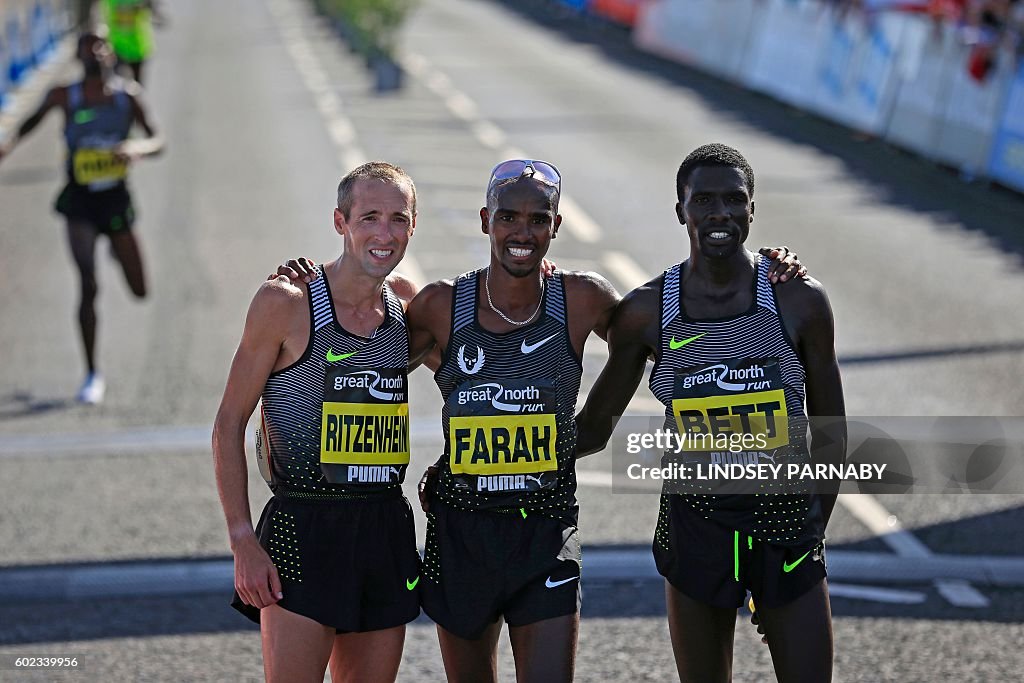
x: 144, y: 440
x: 887, y: 527
x: 575, y: 220
x: 624, y: 269
x: 339, y: 127
x: 114, y: 580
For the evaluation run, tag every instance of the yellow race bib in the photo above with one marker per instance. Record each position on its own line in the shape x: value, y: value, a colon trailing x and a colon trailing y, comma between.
x: 92, y: 166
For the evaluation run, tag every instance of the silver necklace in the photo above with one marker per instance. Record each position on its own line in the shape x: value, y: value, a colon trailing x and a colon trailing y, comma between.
x: 510, y: 321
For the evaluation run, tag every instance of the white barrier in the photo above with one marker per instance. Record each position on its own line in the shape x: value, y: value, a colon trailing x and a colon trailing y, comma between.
x: 782, y: 54
x: 971, y: 115
x: 925, y: 80
x: 894, y: 75
x: 705, y: 33
x: 1007, y: 162
x: 855, y: 78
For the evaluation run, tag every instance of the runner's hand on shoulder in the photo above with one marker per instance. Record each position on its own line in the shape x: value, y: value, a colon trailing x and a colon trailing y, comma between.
x: 426, y: 486
x: 547, y: 267
x: 785, y: 264
x: 297, y: 270
x: 256, y: 578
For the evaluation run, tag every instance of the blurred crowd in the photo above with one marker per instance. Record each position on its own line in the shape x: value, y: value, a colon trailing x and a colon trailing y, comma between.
x: 990, y: 27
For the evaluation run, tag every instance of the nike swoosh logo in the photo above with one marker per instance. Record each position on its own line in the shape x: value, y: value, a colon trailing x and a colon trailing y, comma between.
x: 84, y: 116
x: 676, y: 345
x: 412, y: 584
x: 554, y: 584
x: 530, y: 348
x: 334, y: 358
x: 787, y: 567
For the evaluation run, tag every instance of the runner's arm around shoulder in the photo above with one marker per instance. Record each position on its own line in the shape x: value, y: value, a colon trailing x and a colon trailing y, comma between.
x: 57, y: 97
x: 591, y: 300
x: 270, y: 315
x: 806, y: 304
x: 632, y: 336
x: 429, y: 316
x: 406, y: 290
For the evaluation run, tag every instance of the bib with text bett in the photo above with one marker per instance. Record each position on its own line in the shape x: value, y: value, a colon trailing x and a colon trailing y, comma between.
x: 503, y: 435
x: 364, y: 437
x: 732, y: 412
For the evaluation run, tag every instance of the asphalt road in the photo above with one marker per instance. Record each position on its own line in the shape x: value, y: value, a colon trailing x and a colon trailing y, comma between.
x: 264, y: 110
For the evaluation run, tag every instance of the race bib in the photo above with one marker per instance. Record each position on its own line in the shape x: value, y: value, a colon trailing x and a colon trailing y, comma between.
x: 97, y: 168
x: 364, y: 434
x: 735, y: 405
x: 502, y: 435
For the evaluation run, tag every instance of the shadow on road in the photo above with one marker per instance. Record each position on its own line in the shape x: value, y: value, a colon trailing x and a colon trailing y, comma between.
x: 928, y: 354
x: 96, y: 619
x: 895, y: 177
x: 21, y: 404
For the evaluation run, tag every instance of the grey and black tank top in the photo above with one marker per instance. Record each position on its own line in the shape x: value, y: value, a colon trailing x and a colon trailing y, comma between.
x: 91, y: 133
x: 509, y: 413
x: 337, y: 420
x: 734, y: 388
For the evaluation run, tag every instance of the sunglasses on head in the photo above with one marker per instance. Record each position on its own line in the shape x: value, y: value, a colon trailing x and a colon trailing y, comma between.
x: 514, y: 169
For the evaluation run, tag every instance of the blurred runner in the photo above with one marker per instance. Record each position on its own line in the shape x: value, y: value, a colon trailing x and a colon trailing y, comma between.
x: 130, y: 23
x: 331, y: 571
x: 734, y: 356
x: 99, y: 113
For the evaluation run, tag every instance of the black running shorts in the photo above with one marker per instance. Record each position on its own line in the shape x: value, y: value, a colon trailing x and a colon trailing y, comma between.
x: 109, y: 211
x: 482, y: 565
x: 717, y: 566
x: 351, y: 565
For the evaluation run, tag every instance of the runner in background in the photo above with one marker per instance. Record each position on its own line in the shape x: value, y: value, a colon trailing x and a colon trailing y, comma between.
x: 99, y: 113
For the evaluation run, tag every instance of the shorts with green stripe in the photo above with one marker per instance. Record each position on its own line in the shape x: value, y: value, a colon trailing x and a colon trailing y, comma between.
x: 715, y: 565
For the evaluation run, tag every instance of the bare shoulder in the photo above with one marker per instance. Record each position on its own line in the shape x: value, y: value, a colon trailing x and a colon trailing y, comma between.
x: 640, y: 308
x: 278, y: 298
x: 805, y: 295
x: 435, y: 296
x: 588, y: 285
x: 403, y: 287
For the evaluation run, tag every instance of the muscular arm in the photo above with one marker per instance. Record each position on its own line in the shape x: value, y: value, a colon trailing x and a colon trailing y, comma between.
x: 429, y: 319
x: 632, y: 336
x: 592, y: 301
x: 57, y: 97
x: 407, y: 290
x: 808, y: 317
x: 270, y: 316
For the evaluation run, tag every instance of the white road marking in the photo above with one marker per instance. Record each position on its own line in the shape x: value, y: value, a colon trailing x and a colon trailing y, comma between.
x: 116, y: 580
x: 314, y: 77
x: 625, y: 270
x: 144, y: 440
x: 339, y: 127
x: 887, y: 527
x: 875, y: 594
x: 575, y: 220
